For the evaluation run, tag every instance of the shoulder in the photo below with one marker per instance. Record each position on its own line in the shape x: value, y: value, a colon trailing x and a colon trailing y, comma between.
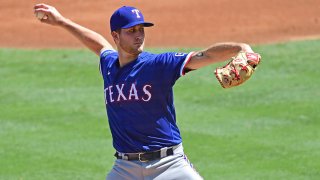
x: 171, y: 55
x: 160, y: 56
x: 107, y: 59
x: 152, y: 58
x: 166, y: 58
x: 108, y: 54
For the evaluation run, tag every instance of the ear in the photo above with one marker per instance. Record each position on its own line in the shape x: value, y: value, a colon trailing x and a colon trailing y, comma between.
x: 115, y: 35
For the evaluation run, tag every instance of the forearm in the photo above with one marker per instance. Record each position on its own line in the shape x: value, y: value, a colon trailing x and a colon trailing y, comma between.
x: 216, y: 53
x: 223, y: 51
x: 89, y: 38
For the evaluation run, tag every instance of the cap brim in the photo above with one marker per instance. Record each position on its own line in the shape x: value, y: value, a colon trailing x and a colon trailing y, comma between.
x: 145, y: 24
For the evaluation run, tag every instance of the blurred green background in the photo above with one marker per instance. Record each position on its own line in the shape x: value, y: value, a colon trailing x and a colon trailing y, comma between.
x: 53, y: 123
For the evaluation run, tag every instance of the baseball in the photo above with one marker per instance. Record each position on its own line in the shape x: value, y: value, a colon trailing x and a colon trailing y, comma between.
x: 41, y: 15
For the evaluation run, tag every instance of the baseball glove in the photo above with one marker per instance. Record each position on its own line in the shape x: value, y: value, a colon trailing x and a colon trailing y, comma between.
x: 238, y: 70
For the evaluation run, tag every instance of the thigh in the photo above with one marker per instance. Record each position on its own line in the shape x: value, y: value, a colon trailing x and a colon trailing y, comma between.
x: 177, y: 167
x: 125, y: 170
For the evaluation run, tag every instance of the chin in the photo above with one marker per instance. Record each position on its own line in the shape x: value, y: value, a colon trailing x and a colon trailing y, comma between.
x: 141, y: 47
x: 140, y: 50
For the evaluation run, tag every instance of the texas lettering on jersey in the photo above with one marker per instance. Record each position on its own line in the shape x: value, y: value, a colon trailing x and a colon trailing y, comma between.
x: 127, y: 92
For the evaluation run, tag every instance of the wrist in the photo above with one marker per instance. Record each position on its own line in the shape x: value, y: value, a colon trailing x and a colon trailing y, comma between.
x: 62, y: 21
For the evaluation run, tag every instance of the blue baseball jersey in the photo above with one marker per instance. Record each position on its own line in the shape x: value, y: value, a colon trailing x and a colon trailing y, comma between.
x: 139, y: 100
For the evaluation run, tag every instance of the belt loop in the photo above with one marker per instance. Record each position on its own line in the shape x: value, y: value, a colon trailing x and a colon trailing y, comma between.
x: 123, y: 156
x: 163, y: 152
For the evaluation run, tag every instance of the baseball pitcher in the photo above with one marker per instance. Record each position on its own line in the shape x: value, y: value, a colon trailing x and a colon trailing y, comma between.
x: 138, y: 91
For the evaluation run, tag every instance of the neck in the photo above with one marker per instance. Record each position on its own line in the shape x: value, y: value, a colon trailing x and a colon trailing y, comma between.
x: 125, y: 58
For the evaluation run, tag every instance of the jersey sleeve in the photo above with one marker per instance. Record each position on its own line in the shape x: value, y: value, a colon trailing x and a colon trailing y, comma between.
x: 171, y: 65
x: 104, y: 56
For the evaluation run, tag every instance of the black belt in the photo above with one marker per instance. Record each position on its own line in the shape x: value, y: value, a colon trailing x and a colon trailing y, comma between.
x: 145, y: 156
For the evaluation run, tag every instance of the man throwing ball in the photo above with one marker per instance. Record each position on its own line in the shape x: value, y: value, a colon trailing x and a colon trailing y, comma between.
x: 138, y: 93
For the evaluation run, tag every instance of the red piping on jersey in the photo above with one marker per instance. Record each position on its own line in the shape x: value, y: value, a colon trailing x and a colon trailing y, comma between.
x: 187, y: 61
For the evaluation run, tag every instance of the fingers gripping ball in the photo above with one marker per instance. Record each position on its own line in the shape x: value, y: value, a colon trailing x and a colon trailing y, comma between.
x: 41, y: 15
x: 238, y: 70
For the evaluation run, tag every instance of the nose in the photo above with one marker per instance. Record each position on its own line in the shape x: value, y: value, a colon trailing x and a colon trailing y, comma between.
x: 140, y: 34
x: 140, y: 37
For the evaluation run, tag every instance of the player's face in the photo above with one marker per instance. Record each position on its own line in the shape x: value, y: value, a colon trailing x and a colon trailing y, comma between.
x: 131, y: 39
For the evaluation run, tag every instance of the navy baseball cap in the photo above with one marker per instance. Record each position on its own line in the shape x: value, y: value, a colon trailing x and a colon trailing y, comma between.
x: 126, y: 17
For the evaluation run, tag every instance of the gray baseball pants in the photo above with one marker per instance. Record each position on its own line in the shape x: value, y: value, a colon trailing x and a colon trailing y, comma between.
x: 174, y: 167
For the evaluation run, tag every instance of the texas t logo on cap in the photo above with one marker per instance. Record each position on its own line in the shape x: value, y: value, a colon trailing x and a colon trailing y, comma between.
x: 126, y: 17
x: 137, y: 12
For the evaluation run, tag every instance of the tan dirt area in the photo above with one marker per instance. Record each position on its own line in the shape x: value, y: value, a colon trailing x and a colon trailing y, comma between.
x: 178, y: 23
